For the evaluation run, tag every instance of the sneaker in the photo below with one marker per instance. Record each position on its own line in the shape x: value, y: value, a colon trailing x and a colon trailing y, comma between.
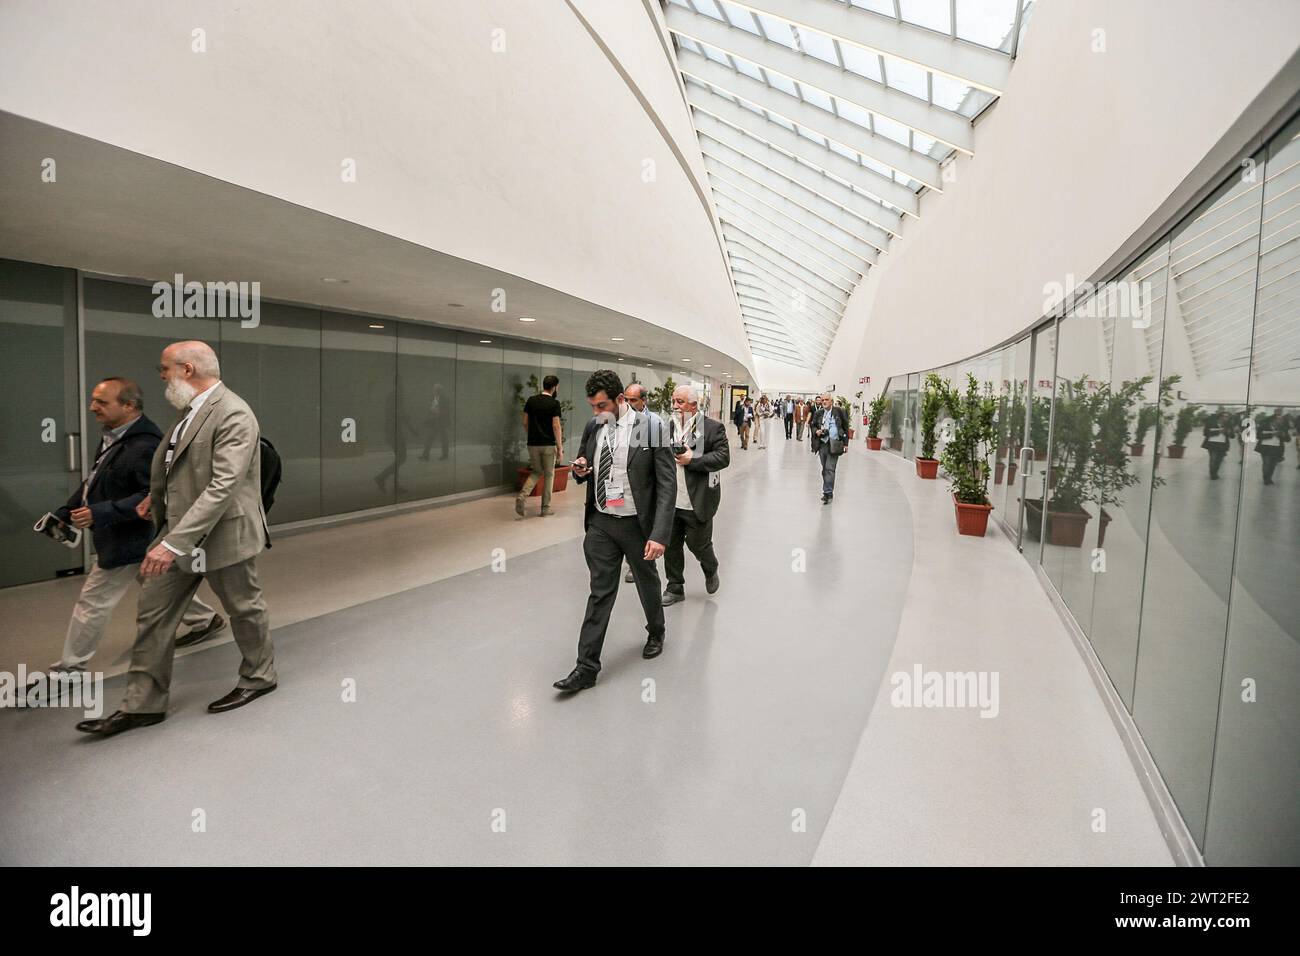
x: 519, y: 506
x: 547, y: 511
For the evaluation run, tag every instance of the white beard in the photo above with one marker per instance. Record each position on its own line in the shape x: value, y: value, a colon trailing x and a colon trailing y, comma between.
x: 179, y: 393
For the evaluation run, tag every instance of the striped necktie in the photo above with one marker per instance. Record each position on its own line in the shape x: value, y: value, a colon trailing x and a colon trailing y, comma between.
x: 605, y: 466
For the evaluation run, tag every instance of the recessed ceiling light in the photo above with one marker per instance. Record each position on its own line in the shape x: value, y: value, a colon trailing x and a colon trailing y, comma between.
x: 373, y: 326
x: 685, y: 360
x: 648, y: 365
x: 338, y: 281
x: 485, y: 341
x: 707, y: 365
x: 615, y: 338
x: 524, y: 318
x: 457, y: 305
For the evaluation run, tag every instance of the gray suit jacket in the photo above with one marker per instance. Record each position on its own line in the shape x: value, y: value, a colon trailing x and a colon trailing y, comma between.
x: 212, y: 496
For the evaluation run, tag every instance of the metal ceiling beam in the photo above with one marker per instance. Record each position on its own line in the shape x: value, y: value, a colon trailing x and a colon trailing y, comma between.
x: 814, y: 316
x: 833, y: 294
x: 882, y: 149
x: 814, y: 181
x: 790, y: 245
x: 818, y: 332
x: 813, y: 301
x: 763, y: 217
x: 966, y: 63
x: 764, y: 195
x: 760, y: 127
x: 947, y: 127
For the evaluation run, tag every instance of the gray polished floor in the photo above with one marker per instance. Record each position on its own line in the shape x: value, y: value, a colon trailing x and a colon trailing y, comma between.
x: 457, y: 750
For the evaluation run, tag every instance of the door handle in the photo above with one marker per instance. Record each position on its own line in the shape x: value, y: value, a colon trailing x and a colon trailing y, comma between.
x: 1026, y: 463
x: 74, y: 446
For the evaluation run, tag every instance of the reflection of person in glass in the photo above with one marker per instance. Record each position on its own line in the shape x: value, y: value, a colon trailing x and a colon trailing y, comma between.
x: 1218, y: 433
x: 397, y: 424
x: 436, y: 425
x: 1272, y: 435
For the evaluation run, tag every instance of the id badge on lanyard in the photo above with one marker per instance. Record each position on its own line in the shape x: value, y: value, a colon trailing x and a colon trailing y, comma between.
x: 613, y: 490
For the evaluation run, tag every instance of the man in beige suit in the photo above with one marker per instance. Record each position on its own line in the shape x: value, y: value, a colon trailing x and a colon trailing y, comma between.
x: 205, y: 495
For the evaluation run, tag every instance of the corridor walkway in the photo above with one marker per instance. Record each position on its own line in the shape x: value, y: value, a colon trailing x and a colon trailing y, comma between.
x: 764, y: 729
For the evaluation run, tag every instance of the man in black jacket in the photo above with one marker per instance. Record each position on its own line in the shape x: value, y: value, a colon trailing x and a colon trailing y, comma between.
x: 106, y: 504
x: 829, y: 440
x: 704, y: 453
x: 631, y: 485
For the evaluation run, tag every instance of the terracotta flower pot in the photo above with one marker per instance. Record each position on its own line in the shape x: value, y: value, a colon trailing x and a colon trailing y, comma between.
x: 1065, y: 529
x: 1011, y: 472
x: 971, y: 519
x: 873, y: 443
x: 1101, y: 528
x: 927, y: 467
x: 1175, y: 451
x: 559, y: 484
x: 1040, y: 454
x: 999, y: 470
x: 1136, y: 449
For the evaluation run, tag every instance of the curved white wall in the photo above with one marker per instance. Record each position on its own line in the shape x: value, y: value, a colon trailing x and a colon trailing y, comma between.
x: 1083, y: 147
x: 530, y: 159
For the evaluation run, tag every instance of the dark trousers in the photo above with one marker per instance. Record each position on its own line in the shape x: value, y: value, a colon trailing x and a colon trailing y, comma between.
x: 1270, y: 455
x: 689, y: 532
x: 609, y: 540
x: 829, y: 462
x: 1218, y: 451
x: 789, y: 425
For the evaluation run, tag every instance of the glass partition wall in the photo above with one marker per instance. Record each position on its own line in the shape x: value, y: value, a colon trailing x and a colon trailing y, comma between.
x: 1159, y: 421
x: 366, y: 412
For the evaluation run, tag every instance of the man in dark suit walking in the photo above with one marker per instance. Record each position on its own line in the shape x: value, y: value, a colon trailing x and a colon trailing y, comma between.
x: 704, y: 452
x: 629, y: 514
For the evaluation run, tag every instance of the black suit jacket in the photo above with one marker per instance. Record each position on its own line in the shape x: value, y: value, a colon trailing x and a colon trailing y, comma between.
x: 121, y: 481
x: 651, y: 474
x: 841, y: 423
x: 709, y: 454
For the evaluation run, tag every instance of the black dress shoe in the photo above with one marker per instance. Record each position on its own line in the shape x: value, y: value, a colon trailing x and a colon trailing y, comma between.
x: 238, y: 698
x: 577, y: 680
x: 654, y: 646
x: 672, y: 597
x: 711, y: 583
x: 826, y: 499
x: 201, y: 634
x: 118, y: 721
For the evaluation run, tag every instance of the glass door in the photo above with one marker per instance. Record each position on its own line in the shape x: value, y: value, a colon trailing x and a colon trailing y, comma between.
x: 1032, y: 384
x: 40, y: 445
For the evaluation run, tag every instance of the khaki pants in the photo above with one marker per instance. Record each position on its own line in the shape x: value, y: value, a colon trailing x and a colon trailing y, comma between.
x: 102, y: 592
x: 541, y: 466
x: 162, y: 602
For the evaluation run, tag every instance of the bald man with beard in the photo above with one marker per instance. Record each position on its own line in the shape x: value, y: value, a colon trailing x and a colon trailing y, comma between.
x: 205, y: 498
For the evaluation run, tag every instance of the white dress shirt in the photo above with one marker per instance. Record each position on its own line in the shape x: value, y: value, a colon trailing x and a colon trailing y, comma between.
x: 684, y: 435
x: 618, y: 437
x: 179, y: 432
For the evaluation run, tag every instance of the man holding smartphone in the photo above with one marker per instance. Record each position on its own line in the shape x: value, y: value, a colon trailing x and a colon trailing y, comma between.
x: 631, y: 486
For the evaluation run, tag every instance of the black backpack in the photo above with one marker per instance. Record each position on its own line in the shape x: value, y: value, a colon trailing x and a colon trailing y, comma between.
x: 271, y: 472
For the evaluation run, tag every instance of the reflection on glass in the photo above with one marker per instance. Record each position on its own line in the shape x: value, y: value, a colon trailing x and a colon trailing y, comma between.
x: 1254, y: 815
x: 364, y: 426
x: 1206, y: 348
x: 479, y: 413
x: 275, y: 367
x: 38, y: 328
x: 426, y: 374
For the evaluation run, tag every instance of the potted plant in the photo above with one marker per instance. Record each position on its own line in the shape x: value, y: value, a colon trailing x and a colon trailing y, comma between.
x: 846, y: 407
x: 875, y: 413
x: 1014, y: 438
x: 1147, y: 417
x: 1189, y: 416
x: 896, y: 412
x: 965, y: 457
x: 1039, y: 423
x: 934, y: 395
x: 561, y: 480
x: 1070, y: 483
x: 1110, y: 471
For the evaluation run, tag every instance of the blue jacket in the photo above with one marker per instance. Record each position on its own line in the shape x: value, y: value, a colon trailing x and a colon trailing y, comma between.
x: 120, y: 483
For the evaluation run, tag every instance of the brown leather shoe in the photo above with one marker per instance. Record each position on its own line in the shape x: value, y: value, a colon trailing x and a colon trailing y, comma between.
x: 118, y: 721
x: 238, y: 698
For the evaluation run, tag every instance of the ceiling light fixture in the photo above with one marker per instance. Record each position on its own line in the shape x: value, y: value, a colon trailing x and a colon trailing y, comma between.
x: 484, y: 341
x: 615, y: 338
x: 373, y: 326
x: 456, y: 305
x: 524, y: 318
x: 333, y: 280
